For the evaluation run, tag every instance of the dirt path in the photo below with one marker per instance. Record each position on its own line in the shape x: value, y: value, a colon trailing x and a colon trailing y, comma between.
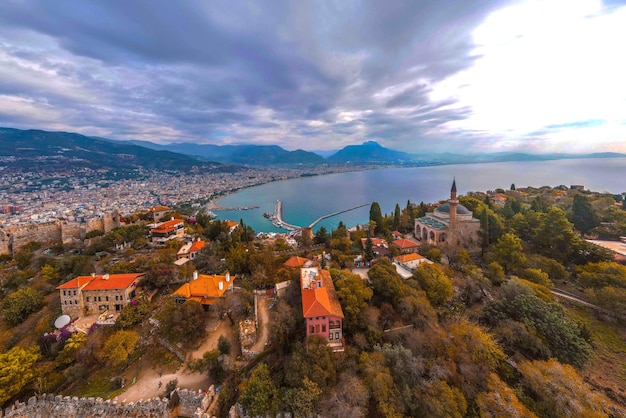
x: 263, y: 321
x: 147, y: 382
x: 147, y: 385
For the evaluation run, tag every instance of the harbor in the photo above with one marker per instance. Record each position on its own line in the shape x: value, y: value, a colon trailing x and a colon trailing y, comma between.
x: 277, y: 217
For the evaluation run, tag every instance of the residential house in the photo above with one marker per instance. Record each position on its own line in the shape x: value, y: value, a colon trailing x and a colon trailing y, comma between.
x: 297, y: 262
x: 411, y: 261
x: 158, y: 212
x: 86, y: 295
x: 379, y: 246
x: 204, y: 288
x: 189, y: 251
x: 406, y: 245
x: 165, y: 231
x: 322, y: 312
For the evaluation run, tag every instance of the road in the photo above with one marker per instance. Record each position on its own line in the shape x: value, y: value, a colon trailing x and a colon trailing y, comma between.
x: 263, y: 320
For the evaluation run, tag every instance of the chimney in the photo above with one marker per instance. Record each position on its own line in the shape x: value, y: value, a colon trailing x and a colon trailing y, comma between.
x: 195, y: 275
x: 172, y: 218
x: 227, y: 277
x: 220, y: 285
x: 105, y: 277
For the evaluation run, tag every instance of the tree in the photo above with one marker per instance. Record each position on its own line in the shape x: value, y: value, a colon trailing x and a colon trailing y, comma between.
x: 584, y: 216
x: 353, y: 296
x: 377, y: 216
x: 508, y: 252
x: 434, y: 282
x: 512, y: 186
x: 397, y: 217
x: 555, y: 237
x: 49, y: 273
x: 20, y: 304
x: 223, y: 345
x: 561, y: 391
x: 16, y: 371
x: 302, y: 401
x: 72, y: 345
x: 369, y: 249
x: 183, y: 323
x: 119, y: 347
x: 132, y: 314
x: 259, y: 395
x: 321, y: 236
x: 438, y: 399
x: 501, y: 401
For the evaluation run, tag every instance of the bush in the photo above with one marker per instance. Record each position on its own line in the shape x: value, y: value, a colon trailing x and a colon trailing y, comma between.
x: 223, y: 345
x: 132, y: 314
x: 20, y: 304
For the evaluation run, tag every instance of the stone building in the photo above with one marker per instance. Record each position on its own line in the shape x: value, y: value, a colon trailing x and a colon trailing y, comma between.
x: 451, y: 226
x: 86, y: 295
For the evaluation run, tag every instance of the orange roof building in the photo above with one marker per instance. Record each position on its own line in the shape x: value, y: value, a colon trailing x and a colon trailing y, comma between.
x: 296, y: 262
x: 320, y: 307
x: 406, y: 245
x: 189, y: 251
x: 158, y: 212
x: 411, y: 260
x: 204, y: 289
x: 165, y: 231
x: 86, y: 295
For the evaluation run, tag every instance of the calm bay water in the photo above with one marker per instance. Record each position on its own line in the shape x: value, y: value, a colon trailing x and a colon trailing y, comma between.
x: 306, y: 199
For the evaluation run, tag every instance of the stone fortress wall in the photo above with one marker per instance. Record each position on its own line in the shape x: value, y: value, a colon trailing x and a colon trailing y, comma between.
x: 13, y: 238
x: 190, y: 404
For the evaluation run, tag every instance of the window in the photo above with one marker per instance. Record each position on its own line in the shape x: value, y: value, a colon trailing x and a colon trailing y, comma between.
x: 323, y: 327
x: 64, y: 293
x: 317, y: 328
x: 74, y: 293
x: 311, y: 329
x: 107, y: 298
x: 336, y: 335
x: 75, y: 302
x: 70, y: 302
x: 87, y: 299
x: 330, y: 336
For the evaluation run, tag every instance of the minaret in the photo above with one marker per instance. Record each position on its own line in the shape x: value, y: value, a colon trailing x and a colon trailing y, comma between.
x: 453, y: 204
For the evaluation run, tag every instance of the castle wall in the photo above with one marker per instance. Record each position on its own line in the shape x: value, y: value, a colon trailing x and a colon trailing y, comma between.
x: 190, y: 404
x: 54, y: 232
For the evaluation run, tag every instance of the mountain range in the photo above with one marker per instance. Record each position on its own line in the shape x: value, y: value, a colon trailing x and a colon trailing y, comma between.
x: 29, y: 148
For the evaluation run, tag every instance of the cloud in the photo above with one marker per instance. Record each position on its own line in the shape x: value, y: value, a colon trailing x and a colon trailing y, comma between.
x: 414, y: 75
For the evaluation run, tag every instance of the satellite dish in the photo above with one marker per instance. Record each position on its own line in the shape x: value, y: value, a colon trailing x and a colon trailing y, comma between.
x: 62, y: 321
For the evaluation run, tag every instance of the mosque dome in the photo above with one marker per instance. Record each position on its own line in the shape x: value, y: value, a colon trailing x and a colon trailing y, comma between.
x: 445, y: 208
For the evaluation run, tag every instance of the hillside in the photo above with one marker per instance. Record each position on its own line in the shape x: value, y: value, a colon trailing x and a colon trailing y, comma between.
x: 259, y: 155
x: 38, y: 149
x: 369, y: 152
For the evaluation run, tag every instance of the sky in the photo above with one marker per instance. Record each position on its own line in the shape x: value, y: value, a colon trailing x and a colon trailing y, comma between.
x: 418, y: 76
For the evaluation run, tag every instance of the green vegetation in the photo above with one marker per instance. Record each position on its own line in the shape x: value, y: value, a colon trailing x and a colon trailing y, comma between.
x: 475, y: 334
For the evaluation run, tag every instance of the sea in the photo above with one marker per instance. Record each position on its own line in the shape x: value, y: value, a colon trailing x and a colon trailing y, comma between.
x: 305, y: 199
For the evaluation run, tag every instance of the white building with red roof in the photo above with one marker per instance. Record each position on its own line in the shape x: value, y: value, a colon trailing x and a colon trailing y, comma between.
x: 86, y: 295
x: 189, y: 251
x: 165, y: 231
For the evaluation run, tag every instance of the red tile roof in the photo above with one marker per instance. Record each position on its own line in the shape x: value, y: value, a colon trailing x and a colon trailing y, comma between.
x: 205, y: 289
x: 295, y: 262
x: 76, y: 282
x: 376, y: 242
x: 159, y: 208
x: 196, y: 246
x: 405, y: 243
x: 113, y: 281
x: 168, y: 226
x: 321, y: 301
x: 405, y: 258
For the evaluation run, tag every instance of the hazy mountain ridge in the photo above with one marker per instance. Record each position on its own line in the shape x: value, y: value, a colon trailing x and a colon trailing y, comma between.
x: 75, y: 150
x: 240, y: 154
x: 72, y: 150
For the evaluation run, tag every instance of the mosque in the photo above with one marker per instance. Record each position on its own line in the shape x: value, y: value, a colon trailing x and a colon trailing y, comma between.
x: 451, y: 226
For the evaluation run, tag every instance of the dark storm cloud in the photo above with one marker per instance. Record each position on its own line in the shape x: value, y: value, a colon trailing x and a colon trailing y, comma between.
x: 299, y: 74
